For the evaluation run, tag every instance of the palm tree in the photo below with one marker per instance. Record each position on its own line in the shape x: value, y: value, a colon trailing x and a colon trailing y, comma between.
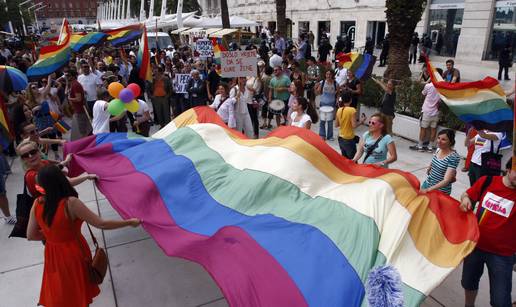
x: 224, y: 13
x: 281, y: 19
x: 402, y: 18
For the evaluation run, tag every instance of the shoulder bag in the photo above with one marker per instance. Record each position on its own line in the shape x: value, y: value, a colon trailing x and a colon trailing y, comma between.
x: 24, y: 204
x: 97, y: 266
x: 372, y: 148
x: 491, y: 162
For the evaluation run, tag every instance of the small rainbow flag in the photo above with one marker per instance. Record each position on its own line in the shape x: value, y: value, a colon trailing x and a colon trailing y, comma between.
x: 59, y: 123
x: 482, y: 104
x: 124, y: 35
x: 360, y: 64
x: 218, y: 47
x: 81, y: 41
x: 52, y: 58
x: 143, y: 58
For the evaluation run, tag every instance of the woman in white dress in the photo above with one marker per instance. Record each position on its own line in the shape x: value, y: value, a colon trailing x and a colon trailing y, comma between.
x: 303, y: 115
x: 243, y: 97
x: 225, y: 105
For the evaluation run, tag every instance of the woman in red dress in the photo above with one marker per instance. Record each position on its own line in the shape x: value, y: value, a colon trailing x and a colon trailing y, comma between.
x: 56, y: 217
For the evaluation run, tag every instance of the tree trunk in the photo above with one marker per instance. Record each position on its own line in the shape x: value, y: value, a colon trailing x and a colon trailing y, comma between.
x: 224, y: 13
x: 281, y: 7
x: 402, y: 18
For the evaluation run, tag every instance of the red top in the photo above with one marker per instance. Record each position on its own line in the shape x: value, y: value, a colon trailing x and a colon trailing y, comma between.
x: 65, y: 275
x: 496, y: 214
x: 76, y: 90
x: 30, y: 179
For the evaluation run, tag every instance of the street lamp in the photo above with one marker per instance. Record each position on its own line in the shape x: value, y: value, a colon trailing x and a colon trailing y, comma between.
x: 36, y: 17
x: 21, y: 15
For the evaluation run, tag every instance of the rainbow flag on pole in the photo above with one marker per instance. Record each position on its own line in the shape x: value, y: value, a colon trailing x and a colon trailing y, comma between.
x: 360, y: 64
x: 218, y: 47
x: 480, y: 103
x: 270, y: 236
x: 124, y: 35
x: 81, y: 41
x: 52, y: 58
x: 143, y: 58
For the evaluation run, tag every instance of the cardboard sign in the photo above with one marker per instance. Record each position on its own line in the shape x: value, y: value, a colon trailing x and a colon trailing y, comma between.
x: 181, y: 82
x: 204, y: 48
x: 238, y: 63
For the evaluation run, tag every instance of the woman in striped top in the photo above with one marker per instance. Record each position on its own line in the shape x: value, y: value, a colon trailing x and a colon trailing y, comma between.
x: 442, y: 170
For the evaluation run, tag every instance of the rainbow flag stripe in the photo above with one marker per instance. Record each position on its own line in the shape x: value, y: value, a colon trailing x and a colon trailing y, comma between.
x: 80, y: 42
x: 218, y: 47
x: 270, y: 236
x: 52, y: 58
x: 143, y: 58
x: 124, y: 35
x: 480, y: 103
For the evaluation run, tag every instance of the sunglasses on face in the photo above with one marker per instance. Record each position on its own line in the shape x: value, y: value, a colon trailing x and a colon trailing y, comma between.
x: 373, y: 122
x: 28, y: 154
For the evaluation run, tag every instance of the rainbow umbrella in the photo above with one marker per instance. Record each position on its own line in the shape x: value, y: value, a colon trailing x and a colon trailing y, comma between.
x: 12, y: 79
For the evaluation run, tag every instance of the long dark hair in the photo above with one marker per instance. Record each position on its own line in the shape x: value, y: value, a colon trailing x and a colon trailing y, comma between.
x: 308, y: 108
x: 56, y: 187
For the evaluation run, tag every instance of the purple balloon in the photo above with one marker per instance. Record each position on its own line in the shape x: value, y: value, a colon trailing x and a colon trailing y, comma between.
x: 126, y: 95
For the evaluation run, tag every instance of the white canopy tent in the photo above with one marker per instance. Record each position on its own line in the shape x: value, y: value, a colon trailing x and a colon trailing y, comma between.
x: 234, y: 21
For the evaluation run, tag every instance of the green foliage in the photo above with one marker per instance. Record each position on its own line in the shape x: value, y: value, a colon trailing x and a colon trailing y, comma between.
x: 409, y: 101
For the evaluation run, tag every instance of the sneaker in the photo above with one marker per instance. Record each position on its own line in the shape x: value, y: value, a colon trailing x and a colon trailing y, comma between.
x: 416, y: 147
x: 430, y: 150
x: 331, y: 139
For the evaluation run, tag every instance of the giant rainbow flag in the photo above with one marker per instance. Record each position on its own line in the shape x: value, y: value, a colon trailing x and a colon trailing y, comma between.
x: 480, y: 103
x: 124, y: 35
x: 279, y: 221
x: 143, y: 58
x: 53, y: 57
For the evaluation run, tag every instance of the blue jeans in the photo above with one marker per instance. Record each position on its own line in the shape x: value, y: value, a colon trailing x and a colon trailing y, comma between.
x: 499, y: 269
x: 326, y: 133
x: 348, y: 148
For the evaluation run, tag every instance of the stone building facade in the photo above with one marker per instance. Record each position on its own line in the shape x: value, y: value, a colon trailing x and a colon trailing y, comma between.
x: 471, y: 31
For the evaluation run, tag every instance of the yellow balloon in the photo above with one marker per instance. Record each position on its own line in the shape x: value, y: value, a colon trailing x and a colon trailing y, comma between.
x: 114, y: 89
x: 132, y: 106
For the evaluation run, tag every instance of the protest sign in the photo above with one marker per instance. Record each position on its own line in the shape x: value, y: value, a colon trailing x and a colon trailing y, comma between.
x: 238, y: 63
x: 181, y: 82
x: 204, y: 48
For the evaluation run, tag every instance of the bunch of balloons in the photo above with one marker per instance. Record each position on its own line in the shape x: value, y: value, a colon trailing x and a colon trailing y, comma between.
x: 124, y: 98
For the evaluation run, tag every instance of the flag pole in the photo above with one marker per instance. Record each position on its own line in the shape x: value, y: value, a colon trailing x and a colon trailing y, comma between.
x: 513, y: 167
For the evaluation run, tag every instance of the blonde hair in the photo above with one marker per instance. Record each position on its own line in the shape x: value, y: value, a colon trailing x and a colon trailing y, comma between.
x: 25, y: 143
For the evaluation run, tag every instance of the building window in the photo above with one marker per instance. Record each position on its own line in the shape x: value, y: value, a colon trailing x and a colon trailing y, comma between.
x: 504, y: 29
x: 304, y: 27
x: 347, y: 32
x: 444, y: 23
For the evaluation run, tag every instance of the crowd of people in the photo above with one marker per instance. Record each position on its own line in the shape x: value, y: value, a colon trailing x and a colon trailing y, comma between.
x: 285, y: 89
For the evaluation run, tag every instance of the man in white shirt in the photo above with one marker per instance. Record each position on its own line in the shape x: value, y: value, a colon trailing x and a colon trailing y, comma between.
x: 90, y: 83
x: 142, y: 117
x: 341, y: 74
x: 101, y: 116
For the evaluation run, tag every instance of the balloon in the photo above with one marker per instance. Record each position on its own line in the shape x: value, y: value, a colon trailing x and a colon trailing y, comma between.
x: 54, y: 115
x: 115, y: 107
x: 135, y: 88
x: 133, y: 106
x: 114, y: 89
x: 126, y: 95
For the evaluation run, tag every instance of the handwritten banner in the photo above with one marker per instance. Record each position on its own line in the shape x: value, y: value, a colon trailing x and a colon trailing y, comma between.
x: 204, y: 48
x: 238, y: 63
x: 181, y: 82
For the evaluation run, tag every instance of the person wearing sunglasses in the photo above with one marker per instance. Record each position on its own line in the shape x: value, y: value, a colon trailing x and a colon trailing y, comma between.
x: 29, y: 133
x: 378, y: 146
x: 32, y: 162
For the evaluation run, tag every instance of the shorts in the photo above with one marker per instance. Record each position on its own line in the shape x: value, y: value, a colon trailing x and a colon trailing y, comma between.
x: 427, y: 121
x: 500, y: 275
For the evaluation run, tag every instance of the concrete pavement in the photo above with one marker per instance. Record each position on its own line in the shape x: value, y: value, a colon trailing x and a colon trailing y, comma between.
x: 140, y: 274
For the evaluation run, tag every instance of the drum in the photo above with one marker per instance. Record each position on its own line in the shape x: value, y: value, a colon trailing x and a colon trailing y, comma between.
x: 326, y: 113
x: 277, y: 105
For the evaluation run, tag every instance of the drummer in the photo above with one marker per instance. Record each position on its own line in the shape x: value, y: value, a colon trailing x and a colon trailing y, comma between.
x: 329, y: 90
x: 278, y: 90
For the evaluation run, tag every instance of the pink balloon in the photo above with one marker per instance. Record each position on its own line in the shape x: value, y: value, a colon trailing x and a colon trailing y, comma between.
x: 135, y: 88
